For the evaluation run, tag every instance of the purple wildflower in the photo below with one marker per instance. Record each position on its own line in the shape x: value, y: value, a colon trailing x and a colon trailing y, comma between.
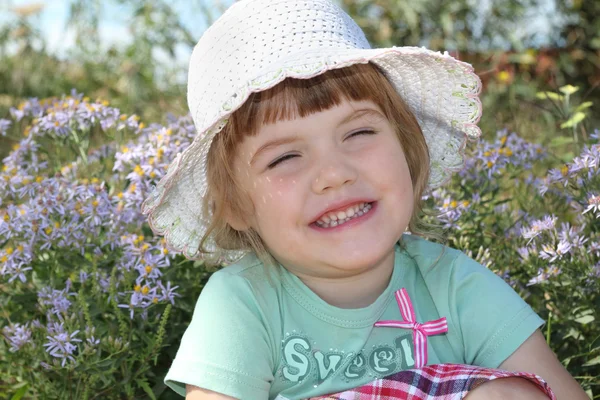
x: 544, y: 274
x: 60, y: 345
x: 4, y: 125
x: 550, y: 253
x: 538, y: 226
x: 18, y: 336
x: 593, y: 204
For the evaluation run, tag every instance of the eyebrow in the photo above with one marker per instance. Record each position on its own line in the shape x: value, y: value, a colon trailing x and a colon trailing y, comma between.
x: 356, y: 114
x: 359, y: 114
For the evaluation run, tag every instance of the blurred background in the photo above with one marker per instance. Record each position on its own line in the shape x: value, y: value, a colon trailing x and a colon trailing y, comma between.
x: 134, y: 53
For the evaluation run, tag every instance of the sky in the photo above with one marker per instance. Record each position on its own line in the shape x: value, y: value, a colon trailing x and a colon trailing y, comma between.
x: 113, y: 26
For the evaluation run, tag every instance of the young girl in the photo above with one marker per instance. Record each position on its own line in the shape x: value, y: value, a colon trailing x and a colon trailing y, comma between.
x: 312, y: 156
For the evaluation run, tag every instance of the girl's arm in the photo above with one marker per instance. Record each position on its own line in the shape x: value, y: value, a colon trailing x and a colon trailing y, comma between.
x: 196, y: 393
x: 535, y: 356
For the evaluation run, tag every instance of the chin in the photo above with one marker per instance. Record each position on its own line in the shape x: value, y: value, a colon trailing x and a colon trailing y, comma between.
x: 361, y: 258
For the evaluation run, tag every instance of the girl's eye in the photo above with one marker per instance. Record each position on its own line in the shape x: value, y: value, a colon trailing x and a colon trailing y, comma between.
x: 362, y: 132
x: 280, y: 160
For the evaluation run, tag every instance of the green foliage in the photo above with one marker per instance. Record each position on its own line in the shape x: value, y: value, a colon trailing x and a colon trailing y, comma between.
x: 457, y: 25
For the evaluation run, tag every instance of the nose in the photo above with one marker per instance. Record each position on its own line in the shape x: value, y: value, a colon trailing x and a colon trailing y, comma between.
x: 332, y: 172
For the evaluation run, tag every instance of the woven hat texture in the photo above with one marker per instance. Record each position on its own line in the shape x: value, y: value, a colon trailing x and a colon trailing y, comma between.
x: 255, y: 45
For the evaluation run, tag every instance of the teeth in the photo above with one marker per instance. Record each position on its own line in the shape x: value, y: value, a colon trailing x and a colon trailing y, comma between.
x: 331, y: 220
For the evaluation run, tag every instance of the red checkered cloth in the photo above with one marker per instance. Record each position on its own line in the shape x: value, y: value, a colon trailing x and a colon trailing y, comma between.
x: 432, y: 382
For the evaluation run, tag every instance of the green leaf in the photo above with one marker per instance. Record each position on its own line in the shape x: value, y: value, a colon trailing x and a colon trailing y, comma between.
x: 574, y: 120
x: 549, y: 95
x: 105, y: 363
x: 20, y: 393
x: 569, y: 89
x: 560, y: 141
x: 586, y: 319
x: 593, y: 361
x: 585, y: 105
x: 567, y: 157
x: 144, y: 385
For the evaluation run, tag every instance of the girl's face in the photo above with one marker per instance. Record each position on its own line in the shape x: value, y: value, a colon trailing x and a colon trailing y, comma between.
x: 305, y: 176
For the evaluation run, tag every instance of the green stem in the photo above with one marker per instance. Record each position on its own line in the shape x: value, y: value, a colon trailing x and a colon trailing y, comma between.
x: 548, y: 328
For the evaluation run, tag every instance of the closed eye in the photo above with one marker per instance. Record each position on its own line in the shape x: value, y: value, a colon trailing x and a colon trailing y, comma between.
x: 281, y: 159
x: 362, y: 132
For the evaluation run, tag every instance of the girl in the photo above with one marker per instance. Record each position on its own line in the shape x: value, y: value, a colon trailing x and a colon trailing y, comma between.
x: 312, y: 156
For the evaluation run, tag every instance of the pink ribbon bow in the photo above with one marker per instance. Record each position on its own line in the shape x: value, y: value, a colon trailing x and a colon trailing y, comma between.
x: 420, y: 331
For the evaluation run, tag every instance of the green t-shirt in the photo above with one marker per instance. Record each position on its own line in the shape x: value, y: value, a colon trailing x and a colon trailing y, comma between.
x: 252, y: 337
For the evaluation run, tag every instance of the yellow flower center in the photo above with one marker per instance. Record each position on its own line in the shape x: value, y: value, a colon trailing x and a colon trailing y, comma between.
x: 503, y: 76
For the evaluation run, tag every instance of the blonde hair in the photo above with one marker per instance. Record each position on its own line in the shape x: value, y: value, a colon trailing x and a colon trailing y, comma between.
x: 293, y: 98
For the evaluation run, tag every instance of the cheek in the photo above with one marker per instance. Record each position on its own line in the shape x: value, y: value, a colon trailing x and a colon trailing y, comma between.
x: 274, y: 200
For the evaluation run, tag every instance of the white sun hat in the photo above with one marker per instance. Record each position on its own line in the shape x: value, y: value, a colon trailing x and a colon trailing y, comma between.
x: 255, y: 45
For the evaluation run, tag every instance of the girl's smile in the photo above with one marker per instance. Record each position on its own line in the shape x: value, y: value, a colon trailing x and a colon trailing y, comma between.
x: 331, y: 192
x: 346, y: 216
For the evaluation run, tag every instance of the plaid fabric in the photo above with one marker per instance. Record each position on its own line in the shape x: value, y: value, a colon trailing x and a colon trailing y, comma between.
x: 433, y: 382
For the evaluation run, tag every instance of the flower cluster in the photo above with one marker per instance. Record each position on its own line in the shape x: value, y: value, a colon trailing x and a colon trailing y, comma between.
x: 493, y: 173
x: 494, y: 159
x: 53, y: 220
x: 575, y: 183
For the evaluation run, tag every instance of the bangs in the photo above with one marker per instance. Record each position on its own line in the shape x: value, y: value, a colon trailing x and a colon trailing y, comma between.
x: 293, y: 98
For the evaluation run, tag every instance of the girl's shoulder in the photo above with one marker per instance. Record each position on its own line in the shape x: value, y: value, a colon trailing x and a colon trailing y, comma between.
x: 248, y: 277
x: 438, y: 263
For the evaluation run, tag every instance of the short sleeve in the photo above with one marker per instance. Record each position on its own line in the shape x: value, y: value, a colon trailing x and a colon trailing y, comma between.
x: 226, y: 346
x: 492, y: 318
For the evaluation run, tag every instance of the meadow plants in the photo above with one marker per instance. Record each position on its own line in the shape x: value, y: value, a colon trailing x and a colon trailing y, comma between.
x: 93, y: 305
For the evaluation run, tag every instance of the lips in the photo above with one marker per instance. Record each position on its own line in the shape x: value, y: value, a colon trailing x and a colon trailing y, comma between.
x: 344, y: 217
x: 342, y: 211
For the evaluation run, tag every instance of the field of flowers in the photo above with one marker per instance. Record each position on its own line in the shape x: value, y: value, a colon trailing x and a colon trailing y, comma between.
x: 92, y: 305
